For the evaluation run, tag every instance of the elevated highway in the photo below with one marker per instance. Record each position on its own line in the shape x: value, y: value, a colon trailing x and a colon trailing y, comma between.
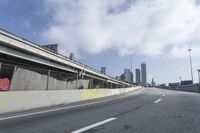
x: 19, y: 51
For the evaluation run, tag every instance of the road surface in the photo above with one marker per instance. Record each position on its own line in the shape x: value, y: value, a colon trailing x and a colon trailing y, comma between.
x: 148, y: 110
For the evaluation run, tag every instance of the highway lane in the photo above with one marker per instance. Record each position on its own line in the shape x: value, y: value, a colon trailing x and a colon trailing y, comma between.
x: 148, y: 110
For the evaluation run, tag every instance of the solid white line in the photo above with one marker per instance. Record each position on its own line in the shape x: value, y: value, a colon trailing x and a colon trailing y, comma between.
x: 94, y: 125
x: 63, y: 108
x: 157, y: 100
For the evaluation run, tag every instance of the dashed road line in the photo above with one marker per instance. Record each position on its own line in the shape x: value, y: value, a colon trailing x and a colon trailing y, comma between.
x: 93, y: 125
x: 157, y: 101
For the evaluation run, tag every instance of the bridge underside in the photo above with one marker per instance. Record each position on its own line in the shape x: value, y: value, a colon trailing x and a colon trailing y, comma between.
x: 24, y: 71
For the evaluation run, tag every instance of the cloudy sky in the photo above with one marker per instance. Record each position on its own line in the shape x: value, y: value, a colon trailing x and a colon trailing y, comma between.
x: 110, y: 32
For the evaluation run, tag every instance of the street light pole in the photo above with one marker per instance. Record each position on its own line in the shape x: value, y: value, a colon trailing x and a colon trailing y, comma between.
x: 180, y: 81
x: 190, y: 50
x: 199, y: 79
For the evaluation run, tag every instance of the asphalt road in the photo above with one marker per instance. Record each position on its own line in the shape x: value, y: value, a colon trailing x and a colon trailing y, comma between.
x: 148, y: 110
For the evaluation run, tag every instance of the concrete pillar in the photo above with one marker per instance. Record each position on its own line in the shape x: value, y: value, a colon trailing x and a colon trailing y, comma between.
x: 66, y: 82
x: 107, y: 84
x: 49, y: 72
x: 103, y: 84
x: 91, y: 83
x: 15, y: 69
x: 77, y: 80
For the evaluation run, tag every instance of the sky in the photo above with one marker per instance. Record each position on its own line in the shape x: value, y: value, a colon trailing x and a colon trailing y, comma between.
x: 110, y: 32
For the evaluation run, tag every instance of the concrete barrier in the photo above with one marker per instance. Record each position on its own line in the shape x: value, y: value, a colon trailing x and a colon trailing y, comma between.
x: 26, y: 100
x: 190, y: 88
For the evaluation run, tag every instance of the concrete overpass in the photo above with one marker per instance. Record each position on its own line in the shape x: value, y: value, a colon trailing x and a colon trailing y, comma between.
x: 19, y: 51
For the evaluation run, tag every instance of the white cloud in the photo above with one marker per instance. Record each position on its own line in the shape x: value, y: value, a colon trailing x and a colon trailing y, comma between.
x: 182, y: 51
x: 140, y: 26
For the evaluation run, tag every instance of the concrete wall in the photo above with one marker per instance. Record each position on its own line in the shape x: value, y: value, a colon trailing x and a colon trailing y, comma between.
x: 26, y: 100
x: 29, y: 80
x: 80, y: 82
x: 190, y: 88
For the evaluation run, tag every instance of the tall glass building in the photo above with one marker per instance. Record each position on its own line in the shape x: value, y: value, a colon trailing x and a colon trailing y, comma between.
x: 128, y: 76
x: 137, y: 76
x: 144, y: 74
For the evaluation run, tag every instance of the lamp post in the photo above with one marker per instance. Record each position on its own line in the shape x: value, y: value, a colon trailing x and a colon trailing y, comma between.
x: 199, y: 79
x: 180, y: 81
x: 190, y: 50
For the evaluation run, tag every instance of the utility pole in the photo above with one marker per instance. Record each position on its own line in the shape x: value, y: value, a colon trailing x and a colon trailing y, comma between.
x: 190, y: 50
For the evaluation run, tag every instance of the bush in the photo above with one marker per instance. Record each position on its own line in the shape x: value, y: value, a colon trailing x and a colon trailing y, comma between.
x: 81, y: 87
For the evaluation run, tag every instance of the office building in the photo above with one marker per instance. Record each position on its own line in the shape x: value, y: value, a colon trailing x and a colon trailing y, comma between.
x: 153, y: 83
x: 51, y: 47
x: 71, y: 56
x: 128, y: 76
x: 103, y: 70
x: 137, y: 76
x: 144, y: 74
x: 121, y: 77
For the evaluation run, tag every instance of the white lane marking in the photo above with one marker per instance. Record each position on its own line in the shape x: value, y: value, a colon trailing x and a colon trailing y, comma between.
x: 94, y: 125
x: 157, y: 100
x: 64, y: 108
x: 163, y: 94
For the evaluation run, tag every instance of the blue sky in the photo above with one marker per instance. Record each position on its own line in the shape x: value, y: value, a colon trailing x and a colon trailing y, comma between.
x: 110, y: 32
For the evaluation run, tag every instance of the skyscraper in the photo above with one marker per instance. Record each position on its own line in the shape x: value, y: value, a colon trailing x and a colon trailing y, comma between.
x: 121, y: 77
x: 128, y: 76
x: 144, y: 74
x: 153, y: 83
x: 137, y: 76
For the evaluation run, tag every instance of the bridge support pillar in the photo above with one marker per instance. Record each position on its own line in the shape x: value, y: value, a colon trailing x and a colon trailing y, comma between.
x: 77, y: 80
x: 103, y: 84
x: 49, y: 72
x: 91, y: 83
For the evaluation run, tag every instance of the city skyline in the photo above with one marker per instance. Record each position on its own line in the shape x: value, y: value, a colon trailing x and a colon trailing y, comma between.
x: 165, y: 53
